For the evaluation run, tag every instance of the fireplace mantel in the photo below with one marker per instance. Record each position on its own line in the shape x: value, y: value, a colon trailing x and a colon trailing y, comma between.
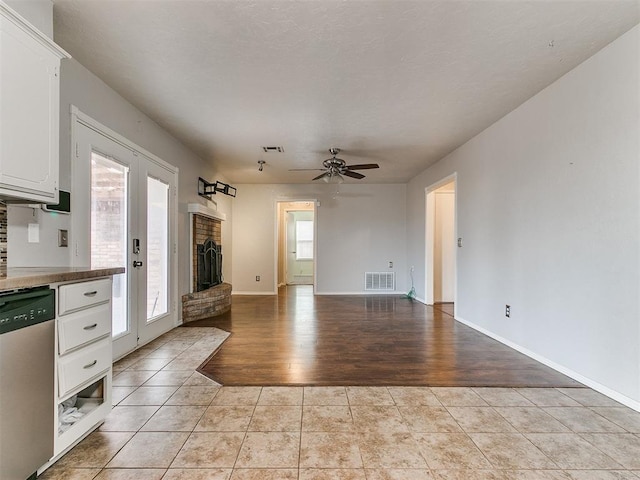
x: 199, y: 209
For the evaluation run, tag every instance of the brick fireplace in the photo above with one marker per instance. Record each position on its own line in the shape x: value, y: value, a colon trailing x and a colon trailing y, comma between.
x: 206, y: 229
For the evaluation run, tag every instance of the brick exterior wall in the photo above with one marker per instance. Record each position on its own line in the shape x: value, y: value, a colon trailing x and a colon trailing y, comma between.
x: 209, y: 303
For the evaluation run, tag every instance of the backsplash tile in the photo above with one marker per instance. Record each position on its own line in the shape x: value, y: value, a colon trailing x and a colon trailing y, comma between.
x: 3, y: 240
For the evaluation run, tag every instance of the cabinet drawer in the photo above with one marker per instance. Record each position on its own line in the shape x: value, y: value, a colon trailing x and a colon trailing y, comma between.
x: 80, y: 366
x: 83, y: 327
x: 84, y: 294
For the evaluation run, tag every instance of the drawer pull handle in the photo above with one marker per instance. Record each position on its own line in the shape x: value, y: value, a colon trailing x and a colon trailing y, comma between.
x: 89, y: 365
x: 91, y: 327
x: 90, y: 294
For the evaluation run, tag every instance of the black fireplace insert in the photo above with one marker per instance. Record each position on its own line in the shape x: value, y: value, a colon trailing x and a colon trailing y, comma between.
x: 209, y: 265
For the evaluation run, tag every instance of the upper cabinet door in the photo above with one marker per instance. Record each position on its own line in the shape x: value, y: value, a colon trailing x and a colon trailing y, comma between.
x: 29, y: 111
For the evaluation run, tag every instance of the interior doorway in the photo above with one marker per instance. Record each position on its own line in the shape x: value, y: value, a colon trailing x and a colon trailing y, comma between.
x: 441, y: 244
x: 296, y: 243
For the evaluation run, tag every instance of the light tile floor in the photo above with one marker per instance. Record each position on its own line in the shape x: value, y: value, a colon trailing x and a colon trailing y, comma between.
x: 172, y: 423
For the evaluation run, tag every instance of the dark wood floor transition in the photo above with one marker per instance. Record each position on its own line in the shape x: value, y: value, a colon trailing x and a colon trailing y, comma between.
x: 296, y: 338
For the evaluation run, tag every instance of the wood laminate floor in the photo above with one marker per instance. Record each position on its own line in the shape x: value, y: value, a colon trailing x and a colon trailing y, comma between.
x: 296, y: 338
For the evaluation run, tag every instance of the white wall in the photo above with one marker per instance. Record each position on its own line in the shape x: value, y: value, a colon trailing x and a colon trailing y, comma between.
x: 92, y: 96
x: 549, y: 211
x: 46, y: 252
x: 38, y: 13
x: 362, y: 229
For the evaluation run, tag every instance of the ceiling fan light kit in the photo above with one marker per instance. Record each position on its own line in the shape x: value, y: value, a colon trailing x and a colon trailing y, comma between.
x: 328, y: 178
x: 335, y: 167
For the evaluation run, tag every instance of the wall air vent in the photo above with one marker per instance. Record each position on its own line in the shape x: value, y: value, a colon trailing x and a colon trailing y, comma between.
x: 380, y: 281
x: 272, y: 149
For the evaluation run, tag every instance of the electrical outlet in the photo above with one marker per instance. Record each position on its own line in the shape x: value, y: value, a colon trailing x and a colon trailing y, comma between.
x: 390, y: 264
x: 459, y: 241
x: 33, y: 233
x: 507, y: 311
x: 257, y: 278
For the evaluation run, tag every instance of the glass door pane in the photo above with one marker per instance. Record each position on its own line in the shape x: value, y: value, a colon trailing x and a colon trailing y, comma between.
x: 109, y: 217
x: 157, y: 248
x: 304, y: 239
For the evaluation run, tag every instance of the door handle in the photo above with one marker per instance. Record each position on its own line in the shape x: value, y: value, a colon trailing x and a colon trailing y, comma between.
x: 137, y: 264
x: 136, y: 246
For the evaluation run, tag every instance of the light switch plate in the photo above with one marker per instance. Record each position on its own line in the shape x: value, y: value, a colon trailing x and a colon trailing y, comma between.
x: 63, y: 238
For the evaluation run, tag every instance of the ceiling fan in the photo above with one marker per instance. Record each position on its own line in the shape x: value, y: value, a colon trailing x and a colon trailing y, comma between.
x: 335, y: 167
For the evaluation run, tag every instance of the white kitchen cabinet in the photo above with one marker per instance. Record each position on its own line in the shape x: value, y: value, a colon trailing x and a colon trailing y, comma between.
x: 83, y: 359
x: 29, y: 111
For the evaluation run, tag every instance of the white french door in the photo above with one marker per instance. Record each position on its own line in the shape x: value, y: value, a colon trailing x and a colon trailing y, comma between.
x: 124, y: 207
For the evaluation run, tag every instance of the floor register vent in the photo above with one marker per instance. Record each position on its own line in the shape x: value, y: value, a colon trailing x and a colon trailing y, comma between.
x: 380, y: 281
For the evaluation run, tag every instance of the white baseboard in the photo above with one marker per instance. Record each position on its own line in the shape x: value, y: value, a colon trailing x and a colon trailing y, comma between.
x: 617, y: 396
x: 392, y: 292
x: 320, y: 293
x: 253, y: 293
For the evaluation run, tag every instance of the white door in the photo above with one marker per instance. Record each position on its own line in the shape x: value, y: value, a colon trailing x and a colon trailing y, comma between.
x: 156, y: 277
x: 124, y: 215
x: 300, y: 247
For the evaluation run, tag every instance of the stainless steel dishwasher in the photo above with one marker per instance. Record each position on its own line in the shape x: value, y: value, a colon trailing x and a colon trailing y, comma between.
x: 26, y: 381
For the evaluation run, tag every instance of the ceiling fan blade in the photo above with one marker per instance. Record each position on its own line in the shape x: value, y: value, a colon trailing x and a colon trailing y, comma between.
x: 351, y: 174
x: 306, y: 169
x: 363, y: 166
x: 320, y: 176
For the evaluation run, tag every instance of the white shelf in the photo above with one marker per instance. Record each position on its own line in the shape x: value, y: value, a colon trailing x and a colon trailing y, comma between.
x: 199, y: 209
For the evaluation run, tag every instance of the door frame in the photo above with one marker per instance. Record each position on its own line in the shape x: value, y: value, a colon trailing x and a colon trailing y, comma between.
x: 77, y: 224
x: 278, y: 201
x: 290, y: 235
x: 430, y: 223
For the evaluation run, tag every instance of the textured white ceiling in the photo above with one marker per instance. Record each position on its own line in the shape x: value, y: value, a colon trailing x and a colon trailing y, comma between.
x: 400, y: 83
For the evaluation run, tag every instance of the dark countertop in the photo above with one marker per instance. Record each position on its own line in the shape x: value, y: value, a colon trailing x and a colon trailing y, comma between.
x: 36, y: 276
